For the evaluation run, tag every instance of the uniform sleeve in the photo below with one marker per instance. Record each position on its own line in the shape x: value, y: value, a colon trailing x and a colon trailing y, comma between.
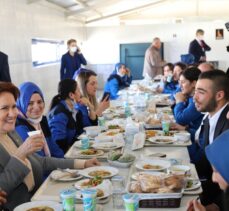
x: 114, y: 88
x: 185, y: 114
x: 82, y: 59
x: 58, y: 127
x: 62, y: 68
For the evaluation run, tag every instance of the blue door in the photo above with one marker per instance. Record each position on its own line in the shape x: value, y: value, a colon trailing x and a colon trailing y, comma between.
x: 133, y: 56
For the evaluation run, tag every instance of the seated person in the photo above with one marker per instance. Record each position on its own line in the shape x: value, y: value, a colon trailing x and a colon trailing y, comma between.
x: 127, y: 78
x: 31, y: 107
x: 168, y: 85
x: 217, y: 155
x: 88, y: 84
x: 115, y: 82
x: 65, y: 122
x: 21, y: 169
x: 185, y: 112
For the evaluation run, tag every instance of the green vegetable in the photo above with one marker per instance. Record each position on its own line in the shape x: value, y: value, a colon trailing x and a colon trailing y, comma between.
x: 113, y: 155
x: 125, y: 158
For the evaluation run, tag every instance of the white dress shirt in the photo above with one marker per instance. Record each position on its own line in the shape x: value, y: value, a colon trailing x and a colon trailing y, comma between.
x: 213, y: 120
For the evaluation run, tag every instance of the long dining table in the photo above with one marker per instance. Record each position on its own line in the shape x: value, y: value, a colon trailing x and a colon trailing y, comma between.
x: 50, y: 189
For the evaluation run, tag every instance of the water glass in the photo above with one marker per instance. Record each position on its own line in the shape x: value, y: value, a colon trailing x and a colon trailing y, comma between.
x: 165, y: 126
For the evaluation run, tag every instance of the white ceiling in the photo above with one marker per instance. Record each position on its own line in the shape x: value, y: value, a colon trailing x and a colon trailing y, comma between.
x: 109, y: 12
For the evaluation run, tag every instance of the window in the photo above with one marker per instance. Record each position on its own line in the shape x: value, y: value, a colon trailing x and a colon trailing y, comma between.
x: 46, y: 52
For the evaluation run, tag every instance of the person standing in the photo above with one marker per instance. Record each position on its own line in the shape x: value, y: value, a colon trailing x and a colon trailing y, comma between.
x: 71, y: 61
x: 198, y: 47
x: 4, y: 68
x: 153, y: 63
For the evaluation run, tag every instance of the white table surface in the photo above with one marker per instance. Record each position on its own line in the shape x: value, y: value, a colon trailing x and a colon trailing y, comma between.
x: 50, y: 189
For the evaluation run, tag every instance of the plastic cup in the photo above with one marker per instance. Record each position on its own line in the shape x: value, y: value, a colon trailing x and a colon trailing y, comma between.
x: 85, y: 142
x: 89, y: 199
x: 131, y: 202
x: 68, y: 199
x: 165, y: 126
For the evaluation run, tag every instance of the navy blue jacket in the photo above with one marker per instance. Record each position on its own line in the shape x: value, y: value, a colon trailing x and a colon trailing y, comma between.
x: 4, y: 68
x: 170, y: 88
x: 186, y: 114
x: 63, y: 126
x: 69, y: 64
x: 86, y: 119
x: 196, y: 50
x: 126, y: 80
x: 23, y: 127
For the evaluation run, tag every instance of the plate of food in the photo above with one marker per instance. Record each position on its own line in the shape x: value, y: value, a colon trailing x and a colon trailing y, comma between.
x: 90, y: 152
x: 120, y: 160
x: 151, y: 133
x: 192, y: 184
x: 107, y: 146
x: 101, y: 171
x: 65, y: 175
x: 88, y: 183
x: 115, y: 126
x: 162, y: 140
x: 153, y: 165
x: 135, y: 176
x: 110, y: 133
x: 39, y: 206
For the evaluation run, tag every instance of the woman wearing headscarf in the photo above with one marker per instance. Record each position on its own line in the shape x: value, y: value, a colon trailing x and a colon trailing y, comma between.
x: 127, y: 78
x: 117, y: 81
x: 88, y: 84
x: 65, y: 122
x: 217, y: 154
x: 31, y: 107
x: 21, y: 169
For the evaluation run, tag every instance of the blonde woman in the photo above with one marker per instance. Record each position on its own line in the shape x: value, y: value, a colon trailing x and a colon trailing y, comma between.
x: 88, y: 84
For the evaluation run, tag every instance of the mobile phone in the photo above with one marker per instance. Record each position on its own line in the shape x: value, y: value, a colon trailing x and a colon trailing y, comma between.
x: 105, y: 95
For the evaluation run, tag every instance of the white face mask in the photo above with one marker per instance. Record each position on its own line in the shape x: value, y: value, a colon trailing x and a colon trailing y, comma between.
x: 73, y: 49
x: 120, y: 74
x: 35, y: 121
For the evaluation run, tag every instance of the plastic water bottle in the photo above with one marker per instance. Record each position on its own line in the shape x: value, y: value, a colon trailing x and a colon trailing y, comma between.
x: 85, y: 142
x: 101, y: 121
x: 127, y: 109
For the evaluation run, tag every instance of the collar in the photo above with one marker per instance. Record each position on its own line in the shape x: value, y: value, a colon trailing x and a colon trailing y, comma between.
x: 215, y: 117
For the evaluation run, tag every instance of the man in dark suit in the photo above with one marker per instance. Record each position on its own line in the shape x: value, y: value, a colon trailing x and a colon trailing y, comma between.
x: 211, y: 96
x: 198, y: 47
x: 4, y: 68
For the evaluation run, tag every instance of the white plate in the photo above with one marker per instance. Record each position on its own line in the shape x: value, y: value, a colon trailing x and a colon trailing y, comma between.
x: 54, y: 205
x: 112, y: 170
x: 180, y: 169
x: 65, y: 178
x: 107, y: 146
x: 196, y: 184
x: 115, y: 131
x: 99, y: 153
x: 156, y: 138
x: 78, y: 185
x: 155, y: 173
x: 162, y: 163
x: 120, y: 164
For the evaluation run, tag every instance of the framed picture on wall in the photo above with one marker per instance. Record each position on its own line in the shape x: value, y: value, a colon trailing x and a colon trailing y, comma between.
x: 219, y: 34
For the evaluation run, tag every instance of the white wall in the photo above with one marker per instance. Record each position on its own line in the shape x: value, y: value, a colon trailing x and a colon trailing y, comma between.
x: 19, y: 23
x: 102, y: 44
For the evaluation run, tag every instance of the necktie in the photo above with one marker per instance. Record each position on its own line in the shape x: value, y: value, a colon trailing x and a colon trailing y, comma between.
x: 206, y: 131
x: 201, y: 43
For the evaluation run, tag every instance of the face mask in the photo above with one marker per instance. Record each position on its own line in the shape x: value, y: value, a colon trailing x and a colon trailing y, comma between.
x: 35, y: 121
x: 73, y: 49
x: 120, y: 74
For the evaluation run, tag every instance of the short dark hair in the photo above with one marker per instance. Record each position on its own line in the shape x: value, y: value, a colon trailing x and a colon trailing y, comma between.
x: 10, y: 88
x: 170, y: 65
x: 199, y: 31
x: 70, y: 41
x: 191, y: 74
x: 182, y: 65
x: 219, y: 80
x: 65, y: 87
